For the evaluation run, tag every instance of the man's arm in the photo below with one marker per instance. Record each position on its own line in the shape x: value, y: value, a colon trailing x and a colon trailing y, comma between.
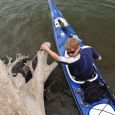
x: 56, y: 57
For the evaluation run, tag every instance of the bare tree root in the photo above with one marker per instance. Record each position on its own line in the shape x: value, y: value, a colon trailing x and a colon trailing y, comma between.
x: 18, y: 97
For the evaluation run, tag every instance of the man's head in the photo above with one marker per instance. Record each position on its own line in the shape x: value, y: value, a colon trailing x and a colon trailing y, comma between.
x: 72, y: 46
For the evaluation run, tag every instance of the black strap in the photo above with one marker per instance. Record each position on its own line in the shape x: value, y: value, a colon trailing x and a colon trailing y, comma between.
x: 64, y: 28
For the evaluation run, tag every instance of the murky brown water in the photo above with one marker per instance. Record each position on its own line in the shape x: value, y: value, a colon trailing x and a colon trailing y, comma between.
x: 25, y: 24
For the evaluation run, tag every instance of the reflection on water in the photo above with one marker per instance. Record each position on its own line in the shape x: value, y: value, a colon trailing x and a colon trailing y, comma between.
x: 25, y: 24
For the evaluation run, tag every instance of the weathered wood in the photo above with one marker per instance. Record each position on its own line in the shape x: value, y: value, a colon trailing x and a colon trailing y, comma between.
x: 26, y: 70
x: 18, y: 97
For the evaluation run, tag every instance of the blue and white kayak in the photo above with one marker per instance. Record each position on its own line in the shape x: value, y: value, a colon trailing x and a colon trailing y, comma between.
x: 62, y: 32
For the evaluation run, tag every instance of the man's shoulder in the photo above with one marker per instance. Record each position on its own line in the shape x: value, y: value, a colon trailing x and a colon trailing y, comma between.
x: 85, y: 47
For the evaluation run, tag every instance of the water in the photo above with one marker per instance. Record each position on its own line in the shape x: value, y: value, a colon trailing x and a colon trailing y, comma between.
x: 25, y: 24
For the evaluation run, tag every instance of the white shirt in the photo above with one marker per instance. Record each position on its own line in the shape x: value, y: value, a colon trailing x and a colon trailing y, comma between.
x: 67, y: 59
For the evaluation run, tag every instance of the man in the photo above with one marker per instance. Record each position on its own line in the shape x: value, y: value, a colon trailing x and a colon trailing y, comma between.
x: 79, y: 59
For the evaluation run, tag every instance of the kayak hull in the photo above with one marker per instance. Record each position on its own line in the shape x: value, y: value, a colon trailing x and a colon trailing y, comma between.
x: 101, y: 107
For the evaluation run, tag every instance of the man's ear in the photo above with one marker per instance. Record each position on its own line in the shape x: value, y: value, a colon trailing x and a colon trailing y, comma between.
x: 78, y: 49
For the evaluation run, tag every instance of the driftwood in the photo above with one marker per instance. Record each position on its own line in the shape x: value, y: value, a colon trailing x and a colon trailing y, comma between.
x: 18, y: 97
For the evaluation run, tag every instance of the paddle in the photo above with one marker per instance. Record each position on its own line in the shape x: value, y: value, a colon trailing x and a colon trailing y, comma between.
x: 64, y: 28
x: 106, y: 87
x: 109, y: 92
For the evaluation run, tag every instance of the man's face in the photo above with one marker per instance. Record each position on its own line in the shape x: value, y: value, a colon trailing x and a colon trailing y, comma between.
x: 73, y: 52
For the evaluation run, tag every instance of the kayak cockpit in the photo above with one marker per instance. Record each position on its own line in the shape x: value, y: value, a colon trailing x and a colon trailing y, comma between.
x: 89, y: 87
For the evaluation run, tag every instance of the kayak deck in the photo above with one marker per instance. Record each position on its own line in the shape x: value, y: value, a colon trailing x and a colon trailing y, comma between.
x: 102, y: 107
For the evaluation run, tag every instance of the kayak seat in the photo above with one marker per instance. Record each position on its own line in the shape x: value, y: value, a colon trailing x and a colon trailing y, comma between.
x: 93, y: 91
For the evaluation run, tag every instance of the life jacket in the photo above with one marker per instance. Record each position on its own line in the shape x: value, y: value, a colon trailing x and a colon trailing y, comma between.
x: 82, y: 69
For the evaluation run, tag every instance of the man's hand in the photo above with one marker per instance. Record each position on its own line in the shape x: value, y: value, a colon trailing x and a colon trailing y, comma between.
x: 100, y: 58
x: 45, y: 46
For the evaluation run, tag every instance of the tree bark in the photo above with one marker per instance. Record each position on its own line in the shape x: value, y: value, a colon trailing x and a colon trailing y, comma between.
x: 18, y: 97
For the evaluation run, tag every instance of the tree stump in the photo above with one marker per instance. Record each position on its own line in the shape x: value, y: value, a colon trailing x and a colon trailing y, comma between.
x: 18, y: 97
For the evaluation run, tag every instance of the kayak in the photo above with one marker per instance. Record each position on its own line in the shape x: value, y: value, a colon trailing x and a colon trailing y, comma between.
x: 63, y: 31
